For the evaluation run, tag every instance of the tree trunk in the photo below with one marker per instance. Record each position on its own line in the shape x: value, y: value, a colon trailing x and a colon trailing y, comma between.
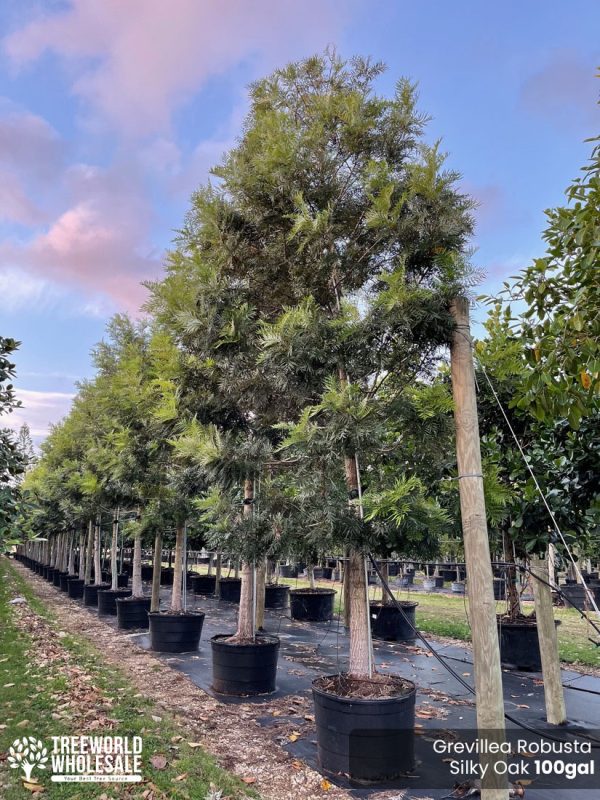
x: 259, y: 621
x: 82, y: 555
x: 176, y: 600
x: 512, y: 590
x: 157, y: 566
x: 71, y: 567
x: 311, y: 576
x: 360, y: 665
x: 137, y: 588
x: 89, y: 553
x: 236, y: 569
x: 486, y: 651
x: 245, y: 629
x: 114, y: 545
x: 346, y: 590
x: 210, y: 566
x: 385, y: 574
x: 556, y: 712
x: 97, y: 544
x: 218, y: 571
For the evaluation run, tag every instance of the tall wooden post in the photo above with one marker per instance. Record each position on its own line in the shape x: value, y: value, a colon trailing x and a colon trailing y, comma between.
x: 556, y: 712
x: 484, y: 630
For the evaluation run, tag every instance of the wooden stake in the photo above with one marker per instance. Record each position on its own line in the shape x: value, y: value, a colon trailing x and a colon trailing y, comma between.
x: 556, y: 712
x: 484, y: 630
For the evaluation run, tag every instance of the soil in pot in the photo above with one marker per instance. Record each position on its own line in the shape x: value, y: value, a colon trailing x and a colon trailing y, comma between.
x: 230, y: 589
x: 519, y: 643
x: 107, y: 600
x: 388, y: 622
x: 277, y: 595
x: 132, y: 612
x: 175, y: 633
x: 90, y: 593
x: 248, y: 668
x: 365, y: 728
x: 75, y: 589
x: 204, y: 584
x: 312, y: 605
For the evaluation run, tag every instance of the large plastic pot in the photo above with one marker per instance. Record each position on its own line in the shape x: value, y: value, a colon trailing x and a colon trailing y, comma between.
x: 388, y: 623
x: 312, y: 605
x: 288, y: 571
x: 577, y: 595
x: 58, y: 574
x: 132, y: 612
x: 175, y: 633
x: 204, y: 584
x: 166, y: 576
x: 244, y: 669
x: 499, y: 589
x: 371, y: 740
x: 520, y: 645
x: 75, y: 589
x: 147, y: 572
x: 107, y: 600
x: 276, y: 595
x: 63, y: 580
x: 230, y: 589
x: 327, y: 573
x: 90, y: 593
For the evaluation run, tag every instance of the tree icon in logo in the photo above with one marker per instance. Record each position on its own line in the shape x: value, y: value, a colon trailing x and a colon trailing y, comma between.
x: 27, y: 753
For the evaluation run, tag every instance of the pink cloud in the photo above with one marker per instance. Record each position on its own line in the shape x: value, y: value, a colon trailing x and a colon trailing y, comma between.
x: 15, y: 205
x: 139, y: 59
x: 98, y: 242
x: 564, y: 91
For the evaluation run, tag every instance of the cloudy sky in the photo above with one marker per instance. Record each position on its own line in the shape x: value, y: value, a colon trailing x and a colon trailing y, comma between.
x: 112, y: 111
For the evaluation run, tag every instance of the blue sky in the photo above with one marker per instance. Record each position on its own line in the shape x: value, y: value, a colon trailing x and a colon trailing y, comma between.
x: 112, y: 112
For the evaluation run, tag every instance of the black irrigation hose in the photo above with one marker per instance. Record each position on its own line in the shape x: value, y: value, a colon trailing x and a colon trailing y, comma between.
x: 455, y: 674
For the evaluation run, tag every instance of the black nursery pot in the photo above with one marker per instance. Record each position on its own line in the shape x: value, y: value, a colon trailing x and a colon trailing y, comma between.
x: 276, y: 595
x: 204, y: 584
x: 175, y: 633
x: 520, y: 645
x: 244, y: 669
x: 327, y: 573
x: 388, y: 623
x: 63, y: 581
x: 58, y: 574
x: 166, y: 576
x: 107, y: 600
x: 499, y: 589
x: 230, y: 589
x: 90, y: 593
x: 75, y: 589
x: 147, y: 572
x: 371, y: 740
x: 288, y: 571
x: 312, y: 605
x: 132, y: 612
x: 439, y: 582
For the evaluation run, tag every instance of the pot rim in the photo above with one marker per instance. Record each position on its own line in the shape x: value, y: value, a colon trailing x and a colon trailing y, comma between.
x: 363, y: 700
x: 313, y: 592
x: 170, y: 615
x: 403, y: 603
x: 131, y: 598
x: 218, y: 637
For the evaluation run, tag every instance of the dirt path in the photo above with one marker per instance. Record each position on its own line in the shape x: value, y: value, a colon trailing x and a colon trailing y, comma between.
x: 230, y: 733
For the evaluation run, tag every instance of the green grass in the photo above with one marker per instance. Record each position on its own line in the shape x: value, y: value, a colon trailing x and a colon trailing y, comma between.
x: 32, y: 697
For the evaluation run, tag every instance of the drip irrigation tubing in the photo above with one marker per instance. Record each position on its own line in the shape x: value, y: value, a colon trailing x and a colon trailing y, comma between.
x: 460, y: 679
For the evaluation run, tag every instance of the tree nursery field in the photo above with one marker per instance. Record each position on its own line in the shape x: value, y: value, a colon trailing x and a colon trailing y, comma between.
x: 319, y: 514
